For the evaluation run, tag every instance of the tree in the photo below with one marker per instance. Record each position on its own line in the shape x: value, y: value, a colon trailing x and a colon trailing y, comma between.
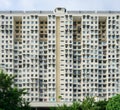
x: 88, y: 104
x: 62, y: 107
x: 114, y: 103
x: 101, y: 105
x: 11, y: 97
x: 75, y: 106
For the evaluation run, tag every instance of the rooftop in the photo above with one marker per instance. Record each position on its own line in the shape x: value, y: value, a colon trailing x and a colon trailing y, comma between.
x: 59, y: 9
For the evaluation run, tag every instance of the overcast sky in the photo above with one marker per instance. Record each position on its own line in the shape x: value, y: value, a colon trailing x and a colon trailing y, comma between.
x: 52, y: 4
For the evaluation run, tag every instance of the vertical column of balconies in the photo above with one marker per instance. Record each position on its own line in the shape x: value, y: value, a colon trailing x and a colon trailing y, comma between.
x: 7, y: 43
x: 18, y: 49
x: 1, y: 43
x: 34, y: 56
x: 51, y: 59
x: 67, y: 52
x: 43, y: 57
x: 102, y: 57
x: 76, y: 58
x: 94, y: 56
x: 113, y: 80
x: 2, y: 40
x: 89, y: 75
x: 30, y: 49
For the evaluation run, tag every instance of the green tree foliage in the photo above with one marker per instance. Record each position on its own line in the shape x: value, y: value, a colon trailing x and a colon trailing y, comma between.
x: 88, y: 104
x: 11, y: 97
x: 75, y: 106
x: 114, y: 103
x: 62, y: 107
x: 101, y: 105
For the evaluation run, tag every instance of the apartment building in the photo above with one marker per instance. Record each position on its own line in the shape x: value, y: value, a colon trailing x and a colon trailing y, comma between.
x: 62, y: 56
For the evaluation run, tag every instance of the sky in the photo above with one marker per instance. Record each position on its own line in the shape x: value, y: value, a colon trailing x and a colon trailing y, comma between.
x: 52, y: 4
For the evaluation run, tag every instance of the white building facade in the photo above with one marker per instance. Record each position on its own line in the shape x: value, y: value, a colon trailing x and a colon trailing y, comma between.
x: 62, y: 56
